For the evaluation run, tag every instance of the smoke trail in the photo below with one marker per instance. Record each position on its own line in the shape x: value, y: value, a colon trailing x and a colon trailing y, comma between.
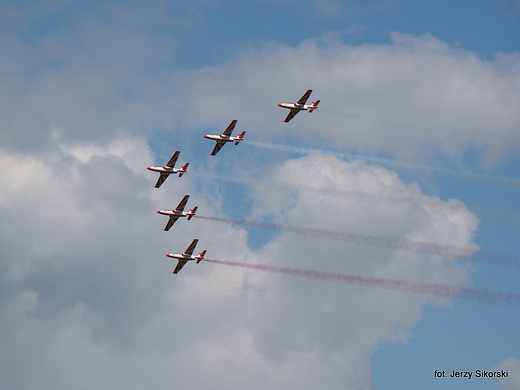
x: 449, y: 251
x: 436, y: 289
x: 383, y: 242
x: 480, y: 133
x: 497, y: 215
x: 359, y: 196
x: 381, y: 118
x: 390, y: 163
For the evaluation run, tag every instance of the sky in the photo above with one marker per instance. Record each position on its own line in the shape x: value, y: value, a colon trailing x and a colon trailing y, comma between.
x: 402, y: 185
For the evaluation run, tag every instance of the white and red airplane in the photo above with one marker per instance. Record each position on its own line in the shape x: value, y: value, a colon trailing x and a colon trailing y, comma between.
x: 225, y: 137
x: 300, y: 105
x: 167, y: 170
x: 178, y: 213
x: 186, y: 256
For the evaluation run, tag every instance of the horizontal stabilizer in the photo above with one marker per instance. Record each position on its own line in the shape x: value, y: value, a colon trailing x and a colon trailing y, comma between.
x: 240, y: 137
x: 201, y: 256
x: 184, y: 168
x: 192, y: 212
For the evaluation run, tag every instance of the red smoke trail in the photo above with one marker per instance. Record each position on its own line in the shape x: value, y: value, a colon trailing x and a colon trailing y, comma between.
x: 384, y: 242
x: 390, y: 163
x: 502, y: 216
x: 449, y: 251
x: 436, y: 289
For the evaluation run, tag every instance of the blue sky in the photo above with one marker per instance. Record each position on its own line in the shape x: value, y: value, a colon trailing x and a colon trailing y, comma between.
x: 94, y: 92
x: 480, y: 27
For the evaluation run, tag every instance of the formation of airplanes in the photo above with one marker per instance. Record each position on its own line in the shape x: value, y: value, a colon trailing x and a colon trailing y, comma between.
x: 221, y: 140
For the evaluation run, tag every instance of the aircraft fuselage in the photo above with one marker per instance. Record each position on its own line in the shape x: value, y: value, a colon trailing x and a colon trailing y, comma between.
x: 164, y: 169
x: 181, y: 256
x: 295, y: 106
x: 220, y: 137
x: 173, y: 212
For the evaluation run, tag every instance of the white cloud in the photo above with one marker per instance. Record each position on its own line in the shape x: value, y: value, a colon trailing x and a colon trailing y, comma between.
x: 414, y: 98
x: 101, y: 298
x: 512, y: 365
x: 85, y: 283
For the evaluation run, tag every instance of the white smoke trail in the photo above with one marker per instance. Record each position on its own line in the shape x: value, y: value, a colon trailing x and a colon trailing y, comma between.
x: 501, y: 216
x: 482, y: 134
x: 359, y: 196
x: 390, y: 163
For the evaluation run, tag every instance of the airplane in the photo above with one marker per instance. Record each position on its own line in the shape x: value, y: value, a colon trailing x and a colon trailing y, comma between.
x: 168, y: 169
x: 186, y: 256
x: 225, y: 137
x: 178, y: 212
x: 300, y: 106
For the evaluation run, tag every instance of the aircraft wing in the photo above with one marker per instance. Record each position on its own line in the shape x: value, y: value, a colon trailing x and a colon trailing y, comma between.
x: 171, y: 221
x: 217, y: 147
x: 291, y: 115
x: 191, y: 248
x: 179, y: 266
x: 181, y: 205
x: 230, y: 128
x: 173, y: 160
x: 305, y: 96
x: 162, y: 177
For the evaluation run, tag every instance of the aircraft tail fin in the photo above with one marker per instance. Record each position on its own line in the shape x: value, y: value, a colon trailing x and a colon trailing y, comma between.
x: 201, y: 256
x: 184, y: 169
x: 241, y: 137
x: 314, y: 105
x: 192, y: 212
